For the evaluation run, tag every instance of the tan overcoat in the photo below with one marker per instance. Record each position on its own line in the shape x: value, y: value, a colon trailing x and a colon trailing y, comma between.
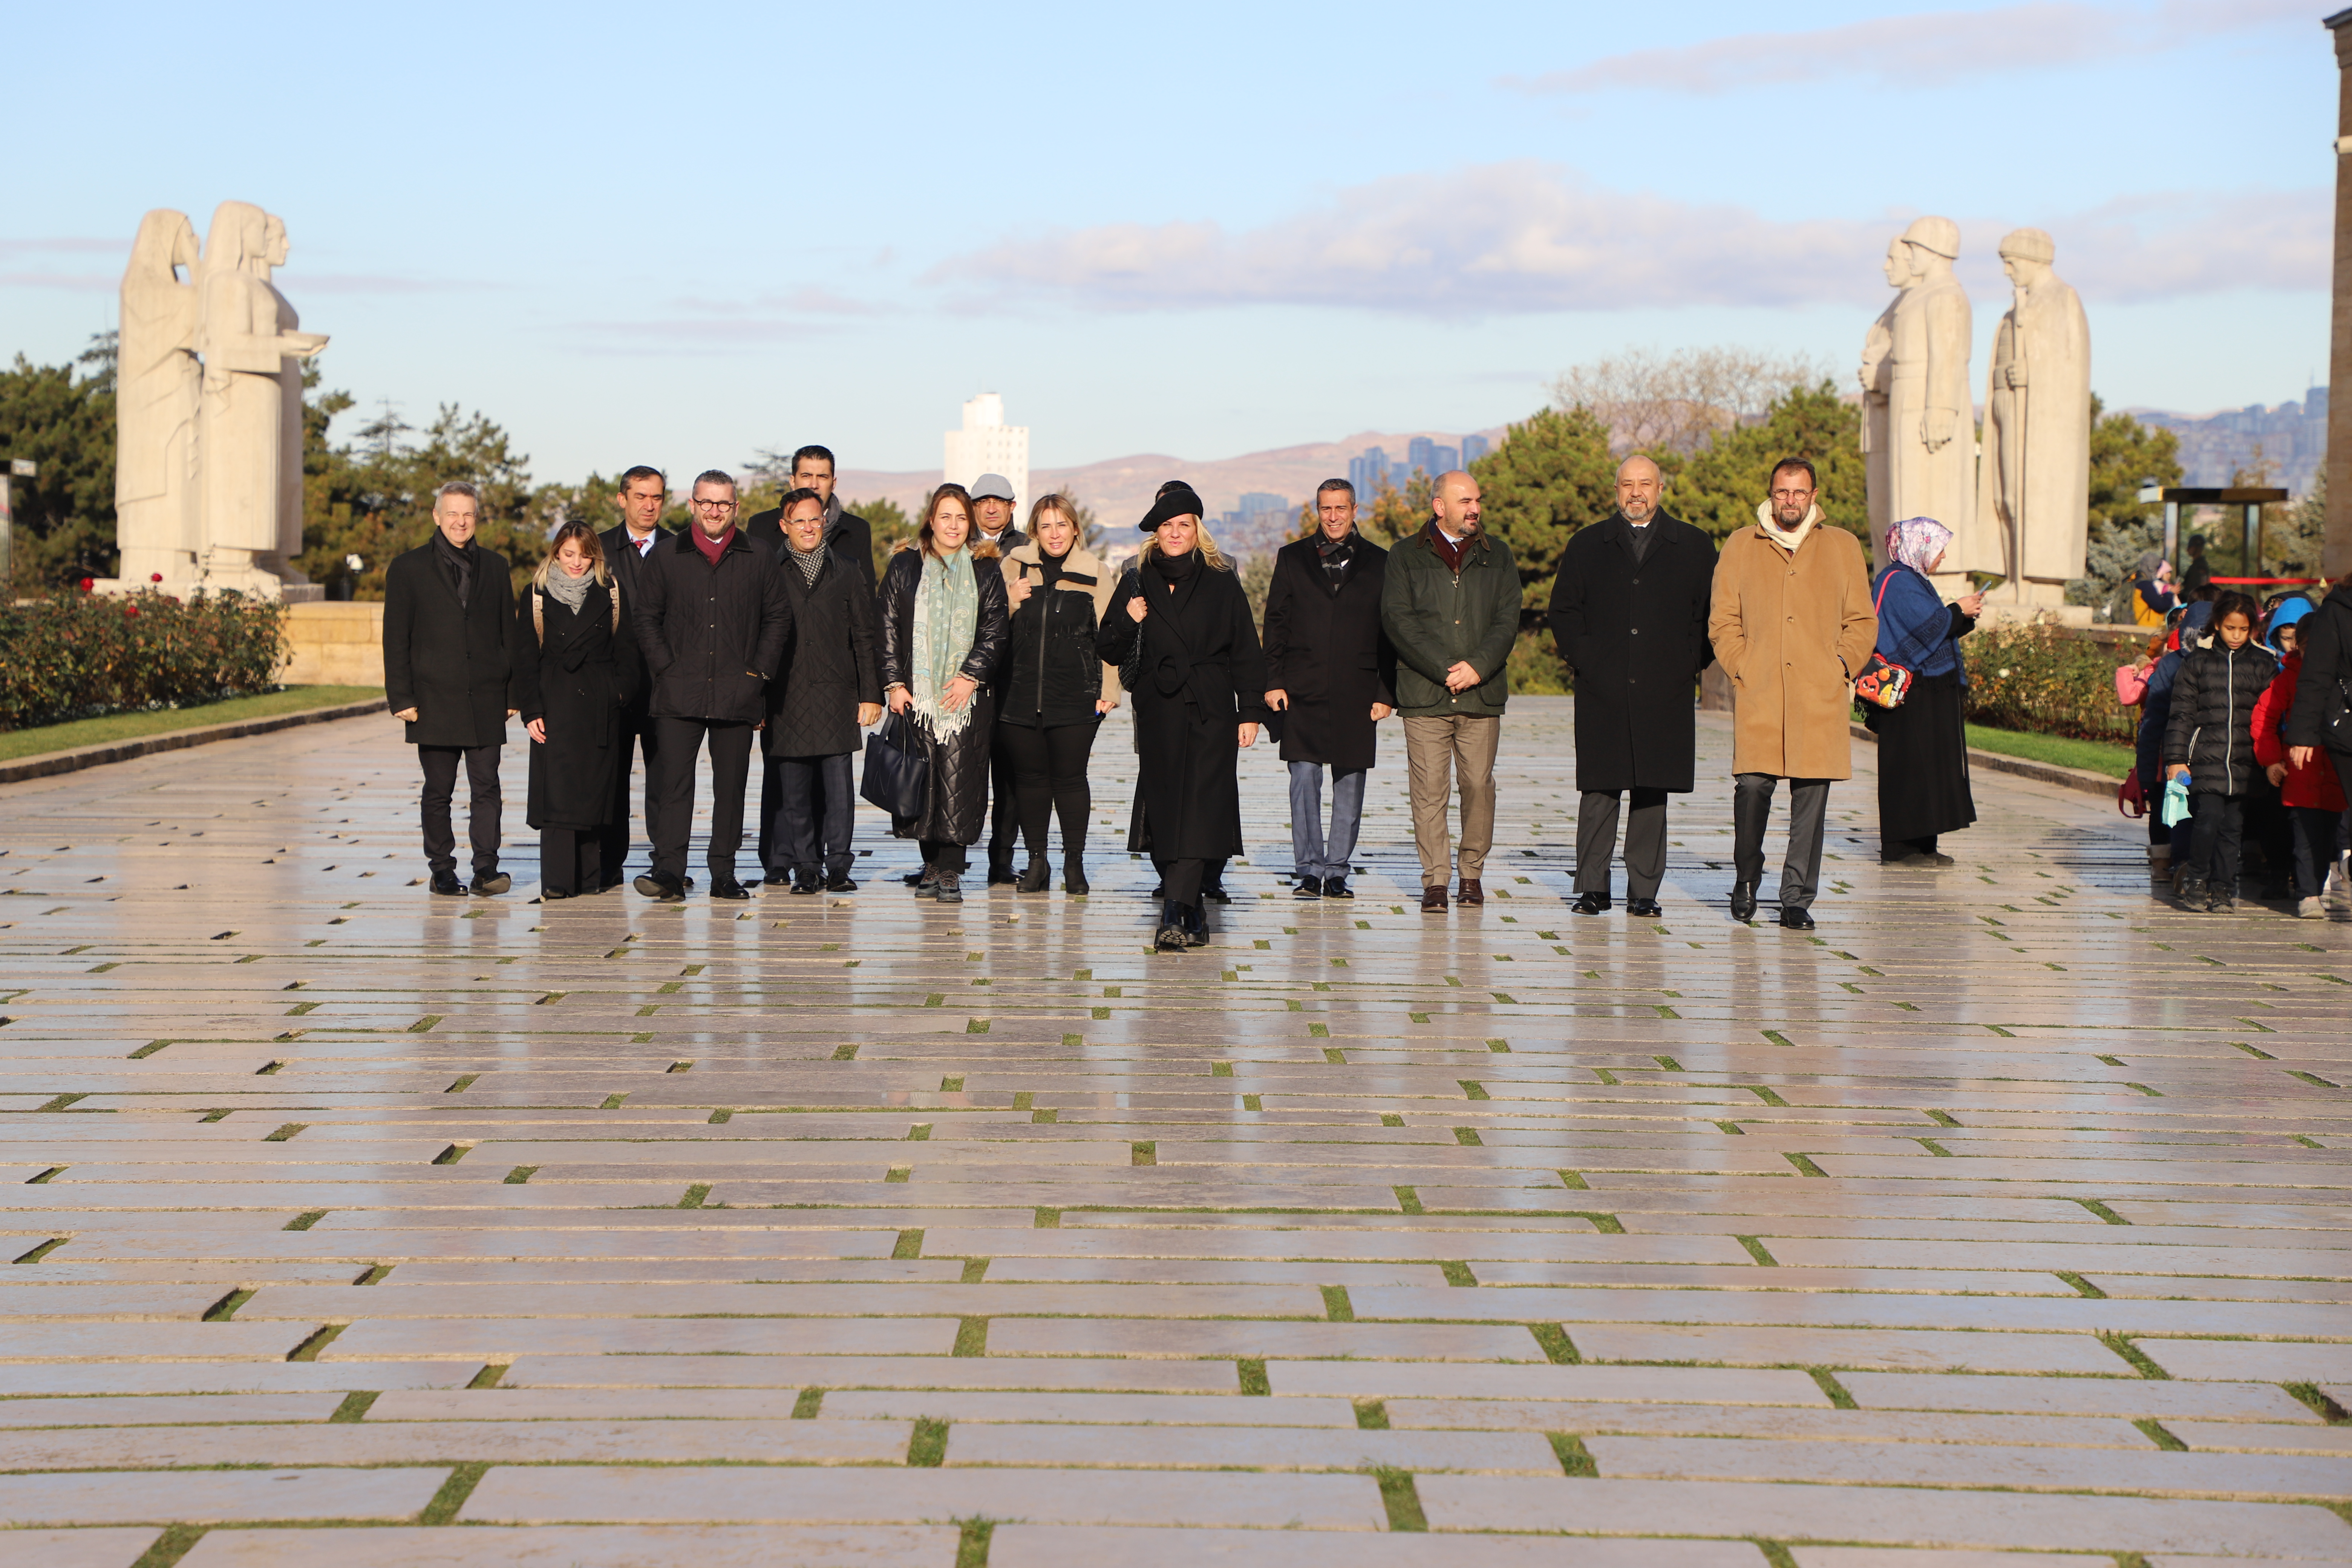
x: 1791, y: 632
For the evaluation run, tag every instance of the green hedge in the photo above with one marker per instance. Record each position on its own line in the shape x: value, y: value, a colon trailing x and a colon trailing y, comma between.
x: 2036, y: 677
x: 77, y: 656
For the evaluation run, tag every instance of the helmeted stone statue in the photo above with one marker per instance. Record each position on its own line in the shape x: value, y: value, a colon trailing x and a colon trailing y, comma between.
x: 2032, y: 518
x: 208, y: 453
x: 1918, y: 419
x: 156, y: 378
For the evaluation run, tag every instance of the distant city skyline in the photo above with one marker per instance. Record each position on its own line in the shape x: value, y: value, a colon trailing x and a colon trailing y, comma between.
x: 2290, y: 440
x: 1423, y: 455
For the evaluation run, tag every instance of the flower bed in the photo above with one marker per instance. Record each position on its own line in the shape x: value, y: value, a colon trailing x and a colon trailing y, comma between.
x: 2037, y: 677
x: 76, y: 656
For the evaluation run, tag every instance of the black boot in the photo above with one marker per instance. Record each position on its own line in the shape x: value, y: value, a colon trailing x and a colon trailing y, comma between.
x: 1074, y: 877
x: 1196, y: 924
x: 1171, y: 936
x: 1036, y: 879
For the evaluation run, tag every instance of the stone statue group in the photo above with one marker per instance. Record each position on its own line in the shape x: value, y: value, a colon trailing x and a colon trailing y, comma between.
x: 208, y: 462
x: 2017, y: 499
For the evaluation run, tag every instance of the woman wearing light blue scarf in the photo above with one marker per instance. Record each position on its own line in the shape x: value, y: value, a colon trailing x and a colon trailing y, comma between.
x: 944, y: 623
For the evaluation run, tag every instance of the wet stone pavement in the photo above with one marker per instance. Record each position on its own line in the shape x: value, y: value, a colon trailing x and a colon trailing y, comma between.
x: 2006, y: 1213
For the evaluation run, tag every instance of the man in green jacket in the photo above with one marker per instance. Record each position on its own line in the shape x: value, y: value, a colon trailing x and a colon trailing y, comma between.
x: 1450, y: 605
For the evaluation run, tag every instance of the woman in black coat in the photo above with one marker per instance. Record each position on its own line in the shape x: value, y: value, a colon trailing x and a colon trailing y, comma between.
x: 576, y: 667
x: 943, y: 632
x: 1182, y: 618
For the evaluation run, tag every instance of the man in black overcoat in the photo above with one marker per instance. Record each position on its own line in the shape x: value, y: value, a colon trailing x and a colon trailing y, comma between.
x: 448, y: 662
x: 713, y: 618
x: 645, y: 492
x: 1629, y: 612
x: 830, y: 688
x: 847, y: 538
x: 1331, y: 675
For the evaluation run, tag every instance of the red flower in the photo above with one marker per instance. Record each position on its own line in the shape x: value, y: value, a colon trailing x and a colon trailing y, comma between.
x: 154, y: 576
x: 87, y: 583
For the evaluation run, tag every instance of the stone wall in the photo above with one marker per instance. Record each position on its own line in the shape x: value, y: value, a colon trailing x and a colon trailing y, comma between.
x: 335, y: 644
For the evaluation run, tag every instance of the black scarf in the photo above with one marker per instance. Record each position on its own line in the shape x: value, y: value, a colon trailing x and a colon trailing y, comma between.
x: 1337, y: 555
x: 456, y: 567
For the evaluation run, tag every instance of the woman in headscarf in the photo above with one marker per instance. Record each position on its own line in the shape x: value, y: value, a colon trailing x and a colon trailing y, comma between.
x: 2152, y: 592
x: 1181, y: 621
x: 1922, y: 757
x: 943, y: 632
x: 575, y: 665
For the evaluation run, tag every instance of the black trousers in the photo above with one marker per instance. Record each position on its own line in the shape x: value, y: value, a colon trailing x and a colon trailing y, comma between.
x: 678, y: 747
x: 772, y: 800
x: 1180, y: 881
x: 1049, y: 771
x: 1645, y: 841
x: 812, y: 816
x: 482, y: 809
x: 2220, y: 822
x: 571, y: 860
x: 948, y: 859
x: 637, y: 735
x: 1004, y: 803
x: 1809, y: 815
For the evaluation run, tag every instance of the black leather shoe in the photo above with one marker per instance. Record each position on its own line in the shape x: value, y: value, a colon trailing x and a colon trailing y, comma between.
x: 1002, y: 876
x: 1337, y: 888
x: 1216, y: 895
x: 1796, y: 920
x: 1073, y: 878
x: 1036, y: 879
x: 1196, y: 925
x: 803, y: 887
x: 1170, y: 939
x: 840, y: 882
x: 1591, y: 904
x: 448, y: 886
x: 1643, y: 909
x: 728, y: 888
x: 494, y: 884
x: 1743, y: 900
x: 664, y: 889
x: 1309, y: 888
x: 548, y: 895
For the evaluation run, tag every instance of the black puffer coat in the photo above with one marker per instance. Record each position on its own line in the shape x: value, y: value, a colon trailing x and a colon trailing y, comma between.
x: 580, y: 680
x: 712, y: 635
x: 1053, y: 675
x: 831, y: 664
x: 959, y: 805
x: 2322, y: 697
x: 2212, y: 725
x: 452, y: 662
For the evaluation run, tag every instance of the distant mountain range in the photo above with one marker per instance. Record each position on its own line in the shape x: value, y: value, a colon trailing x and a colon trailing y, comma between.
x: 1120, y: 488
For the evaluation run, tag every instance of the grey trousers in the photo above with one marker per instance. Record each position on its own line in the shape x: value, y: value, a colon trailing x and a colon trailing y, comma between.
x: 1312, y: 855
x: 1645, y: 842
x: 1809, y: 814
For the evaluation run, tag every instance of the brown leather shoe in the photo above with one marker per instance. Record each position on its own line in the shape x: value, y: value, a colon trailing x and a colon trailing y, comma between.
x: 1472, y: 892
x: 1433, y: 898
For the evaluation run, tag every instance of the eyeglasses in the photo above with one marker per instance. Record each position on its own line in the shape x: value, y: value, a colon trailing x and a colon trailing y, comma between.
x: 701, y: 505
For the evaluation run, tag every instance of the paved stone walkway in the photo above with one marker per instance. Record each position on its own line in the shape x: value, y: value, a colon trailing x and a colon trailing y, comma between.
x: 2005, y: 1215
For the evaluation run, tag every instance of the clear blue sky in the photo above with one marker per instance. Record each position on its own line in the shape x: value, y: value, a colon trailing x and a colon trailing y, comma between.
x: 679, y: 232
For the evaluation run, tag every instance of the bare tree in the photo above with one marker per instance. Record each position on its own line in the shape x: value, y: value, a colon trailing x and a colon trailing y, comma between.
x: 1679, y: 401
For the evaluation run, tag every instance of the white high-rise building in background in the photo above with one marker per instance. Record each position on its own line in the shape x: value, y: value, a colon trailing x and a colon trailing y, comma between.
x: 987, y: 445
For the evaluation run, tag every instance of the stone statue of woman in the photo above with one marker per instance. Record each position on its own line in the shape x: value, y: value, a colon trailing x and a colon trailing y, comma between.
x: 243, y: 416
x: 156, y: 388
x: 2033, y: 524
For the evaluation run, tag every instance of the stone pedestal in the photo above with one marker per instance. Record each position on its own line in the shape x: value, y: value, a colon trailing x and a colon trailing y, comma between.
x: 2009, y: 613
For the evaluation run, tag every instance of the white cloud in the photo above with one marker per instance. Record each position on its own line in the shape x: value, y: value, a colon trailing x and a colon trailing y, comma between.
x: 1929, y: 49
x: 1507, y: 239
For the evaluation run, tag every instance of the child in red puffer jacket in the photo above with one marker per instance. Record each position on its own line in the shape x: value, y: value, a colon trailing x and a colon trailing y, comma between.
x: 2313, y: 796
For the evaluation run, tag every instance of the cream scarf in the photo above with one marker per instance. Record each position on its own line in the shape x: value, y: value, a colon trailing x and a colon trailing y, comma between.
x: 1787, y: 539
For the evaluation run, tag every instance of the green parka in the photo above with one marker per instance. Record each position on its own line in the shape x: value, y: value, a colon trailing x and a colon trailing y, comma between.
x: 1436, y: 616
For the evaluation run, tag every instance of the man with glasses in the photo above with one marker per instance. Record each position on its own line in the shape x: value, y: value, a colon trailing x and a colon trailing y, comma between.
x: 1791, y: 623
x: 712, y: 616
x: 644, y: 492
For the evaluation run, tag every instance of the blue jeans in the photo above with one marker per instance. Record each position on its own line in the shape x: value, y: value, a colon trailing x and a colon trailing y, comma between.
x: 1310, y: 855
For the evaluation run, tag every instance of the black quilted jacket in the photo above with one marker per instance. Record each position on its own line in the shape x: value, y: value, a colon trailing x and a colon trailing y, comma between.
x: 2212, y: 727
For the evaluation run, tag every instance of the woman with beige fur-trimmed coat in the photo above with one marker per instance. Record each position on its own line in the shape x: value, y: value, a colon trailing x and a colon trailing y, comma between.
x: 1791, y: 623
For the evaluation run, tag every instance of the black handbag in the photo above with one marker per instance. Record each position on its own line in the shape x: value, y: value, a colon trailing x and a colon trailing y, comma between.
x: 898, y: 769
